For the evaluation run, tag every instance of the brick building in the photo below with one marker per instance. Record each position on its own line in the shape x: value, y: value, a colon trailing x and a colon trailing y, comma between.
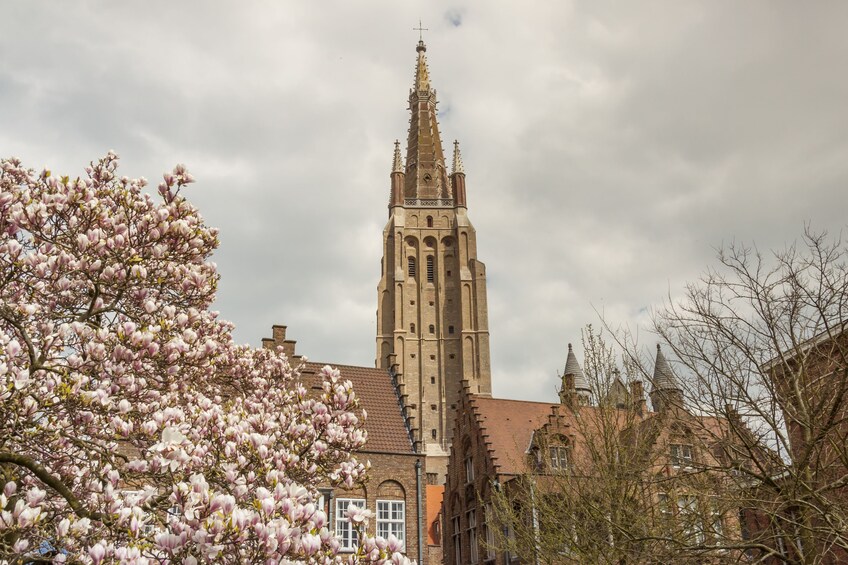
x: 395, y: 488
x: 500, y: 445
x: 797, y: 512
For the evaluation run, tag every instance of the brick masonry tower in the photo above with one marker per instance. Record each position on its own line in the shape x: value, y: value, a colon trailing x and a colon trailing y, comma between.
x: 432, y: 320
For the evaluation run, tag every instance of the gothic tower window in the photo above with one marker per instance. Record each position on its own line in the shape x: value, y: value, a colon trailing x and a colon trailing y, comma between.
x: 432, y: 329
x: 411, y: 266
x: 429, y: 221
x: 412, y: 328
x: 430, y: 269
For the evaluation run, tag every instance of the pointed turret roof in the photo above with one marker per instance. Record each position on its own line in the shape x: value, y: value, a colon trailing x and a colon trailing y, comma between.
x: 426, y: 176
x: 457, y: 159
x: 664, y: 378
x: 397, y: 163
x: 572, y: 367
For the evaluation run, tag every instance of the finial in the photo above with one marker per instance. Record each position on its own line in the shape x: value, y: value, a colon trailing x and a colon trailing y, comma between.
x: 397, y: 165
x: 457, y: 160
x: 419, y: 29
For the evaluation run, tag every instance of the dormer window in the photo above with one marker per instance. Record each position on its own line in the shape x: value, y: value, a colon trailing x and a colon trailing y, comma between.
x: 680, y: 455
x: 558, y: 457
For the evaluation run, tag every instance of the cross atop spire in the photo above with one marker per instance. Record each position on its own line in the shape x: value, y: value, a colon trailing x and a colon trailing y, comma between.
x: 419, y: 29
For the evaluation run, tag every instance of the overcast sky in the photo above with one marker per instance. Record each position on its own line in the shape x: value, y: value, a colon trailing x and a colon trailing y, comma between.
x: 610, y: 147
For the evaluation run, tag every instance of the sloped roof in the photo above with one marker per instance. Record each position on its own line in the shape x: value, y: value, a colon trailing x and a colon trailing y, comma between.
x: 435, y: 493
x: 572, y: 367
x: 507, y: 426
x: 386, y: 426
x: 664, y: 378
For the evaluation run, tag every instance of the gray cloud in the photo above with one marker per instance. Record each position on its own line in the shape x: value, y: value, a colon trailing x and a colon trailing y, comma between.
x: 609, y: 148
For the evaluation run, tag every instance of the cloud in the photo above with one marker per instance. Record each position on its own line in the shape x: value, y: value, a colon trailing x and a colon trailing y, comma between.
x: 609, y: 148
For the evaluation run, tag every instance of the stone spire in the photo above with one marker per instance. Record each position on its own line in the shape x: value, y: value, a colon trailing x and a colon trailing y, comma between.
x: 426, y: 177
x: 397, y: 164
x: 666, y: 391
x: 422, y: 74
x: 397, y: 175
x: 457, y: 160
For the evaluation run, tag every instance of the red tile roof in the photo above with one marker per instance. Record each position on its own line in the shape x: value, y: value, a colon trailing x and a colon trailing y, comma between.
x: 508, y: 426
x: 435, y: 493
x: 386, y: 426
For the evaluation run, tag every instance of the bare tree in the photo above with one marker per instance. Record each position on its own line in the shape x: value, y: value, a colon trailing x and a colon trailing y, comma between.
x: 622, y: 497
x: 761, y: 341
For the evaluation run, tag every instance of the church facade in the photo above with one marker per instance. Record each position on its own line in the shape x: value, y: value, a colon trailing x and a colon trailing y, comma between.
x: 432, y: 321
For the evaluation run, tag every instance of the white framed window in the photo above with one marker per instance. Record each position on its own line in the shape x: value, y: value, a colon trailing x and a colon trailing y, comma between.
x: 456, y: 535
x: 665, y: 507
x: 559, y: 457
x: 489, y: 525
x: 687, y: 511
x: 347, y: 536
x: 681, y: 455
x: 471, y: 520
x: 391, y: 519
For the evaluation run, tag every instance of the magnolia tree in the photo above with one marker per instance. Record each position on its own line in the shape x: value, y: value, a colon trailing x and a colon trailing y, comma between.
x: 133, y: 429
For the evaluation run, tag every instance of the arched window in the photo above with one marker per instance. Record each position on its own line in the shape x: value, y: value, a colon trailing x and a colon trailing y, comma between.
x: 430, y: 269
x: 412, y: 328
x: 432, y: 329
x: 429, y: 221
x: 411, y: 266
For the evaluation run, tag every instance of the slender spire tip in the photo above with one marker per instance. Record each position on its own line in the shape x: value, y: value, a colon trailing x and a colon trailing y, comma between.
x: 458, y: 167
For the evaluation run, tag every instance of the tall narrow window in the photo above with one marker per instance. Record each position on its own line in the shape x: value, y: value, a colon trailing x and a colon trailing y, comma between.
x: 412, y: 328
x: 471, y: 518
x: 391, y: 519
x: 559, y: 457
x: 469, y: 469
x: 348, y: 540
x: 411, y: 267
x: 489, y: 526
x: 429, y: 221
x: 432, y: 331
x: 430, y: 269
x: 456, y: 534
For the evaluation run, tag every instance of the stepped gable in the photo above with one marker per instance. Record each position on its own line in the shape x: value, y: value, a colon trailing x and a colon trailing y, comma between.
x: 507, y: 427
x: 387, y: 429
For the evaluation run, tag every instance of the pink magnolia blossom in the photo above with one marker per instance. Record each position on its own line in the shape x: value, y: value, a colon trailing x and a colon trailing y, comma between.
x: 161, y: 438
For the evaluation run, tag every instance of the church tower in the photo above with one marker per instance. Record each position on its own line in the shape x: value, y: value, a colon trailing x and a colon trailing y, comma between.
x: 432, y: 321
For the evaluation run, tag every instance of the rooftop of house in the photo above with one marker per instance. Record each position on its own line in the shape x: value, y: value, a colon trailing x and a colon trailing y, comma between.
x: 385, y: 423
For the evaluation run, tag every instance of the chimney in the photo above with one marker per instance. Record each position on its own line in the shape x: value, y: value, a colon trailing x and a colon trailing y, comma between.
x: 637, y: 397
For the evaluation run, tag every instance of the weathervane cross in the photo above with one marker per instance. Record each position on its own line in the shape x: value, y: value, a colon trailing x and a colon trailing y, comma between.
x: 419, y: 29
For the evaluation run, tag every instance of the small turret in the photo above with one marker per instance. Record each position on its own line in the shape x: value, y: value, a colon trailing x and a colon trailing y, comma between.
x: 666, y: 391
x: 575, y: 389
x: 396, y: 197
x: 458, y: 177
